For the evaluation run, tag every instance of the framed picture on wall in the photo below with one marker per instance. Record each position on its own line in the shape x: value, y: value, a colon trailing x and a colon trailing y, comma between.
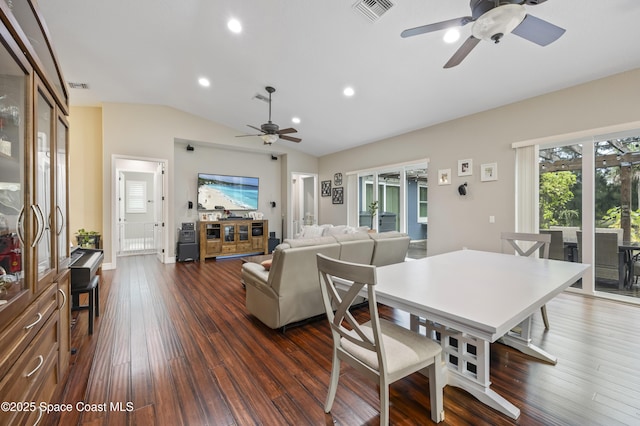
x: 337, y: 179
x: 444, y: 177
x: 489, y: 172
x: 325, y: 188
x: 465, y: 167
x: 337, y: 195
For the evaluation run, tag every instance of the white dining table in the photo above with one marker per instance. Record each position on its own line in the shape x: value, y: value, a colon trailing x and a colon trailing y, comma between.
x: 468, y: 299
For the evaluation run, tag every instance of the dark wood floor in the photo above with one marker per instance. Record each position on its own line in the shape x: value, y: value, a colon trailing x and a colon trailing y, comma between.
x: 177, y: 343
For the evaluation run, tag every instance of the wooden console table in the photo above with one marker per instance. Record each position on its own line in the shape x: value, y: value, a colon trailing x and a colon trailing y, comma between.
x: 233, y: 237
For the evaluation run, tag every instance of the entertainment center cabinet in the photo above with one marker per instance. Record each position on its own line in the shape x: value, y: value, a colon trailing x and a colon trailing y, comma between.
x: 232, y: 237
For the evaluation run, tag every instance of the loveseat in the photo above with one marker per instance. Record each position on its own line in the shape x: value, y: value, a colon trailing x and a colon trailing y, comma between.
x: 289, y: 291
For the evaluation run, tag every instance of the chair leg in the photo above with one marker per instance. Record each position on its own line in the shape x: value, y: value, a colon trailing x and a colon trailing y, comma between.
x: 333, y: 383
x: 91, y: 311
x: 384, y: 403
x: 97, y: 306
x: 436, y: 384
x: 545, y: 319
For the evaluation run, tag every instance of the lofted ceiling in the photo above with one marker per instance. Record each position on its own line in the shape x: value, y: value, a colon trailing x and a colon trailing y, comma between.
x: 154, y: 52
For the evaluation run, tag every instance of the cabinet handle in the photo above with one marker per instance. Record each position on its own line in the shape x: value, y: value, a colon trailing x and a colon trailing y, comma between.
x: 40, y: 231
x: 59, y: 210
x: 64, y: 298
x: 40, y: 362
x: 39, y: 417
x: 35, y: 322
x: 19, y: 226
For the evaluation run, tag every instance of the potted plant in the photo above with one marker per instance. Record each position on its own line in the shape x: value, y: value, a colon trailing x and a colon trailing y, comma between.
x: 88, y: 239
x: 373, y: 210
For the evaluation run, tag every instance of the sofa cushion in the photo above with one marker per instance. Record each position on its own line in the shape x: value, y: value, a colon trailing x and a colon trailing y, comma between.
x: 390, y: 247
x: 312, y: 231
x: 306, y: 242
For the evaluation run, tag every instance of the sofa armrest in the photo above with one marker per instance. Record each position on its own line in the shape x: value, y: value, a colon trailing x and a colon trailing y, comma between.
x: 254, y: 275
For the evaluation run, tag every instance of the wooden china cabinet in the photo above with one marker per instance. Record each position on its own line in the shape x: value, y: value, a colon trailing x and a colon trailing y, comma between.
x: 34, y: 235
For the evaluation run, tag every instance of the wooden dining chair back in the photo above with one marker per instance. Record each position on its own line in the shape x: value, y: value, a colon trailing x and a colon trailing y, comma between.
x: 379, y: 349
x: 526, y: 244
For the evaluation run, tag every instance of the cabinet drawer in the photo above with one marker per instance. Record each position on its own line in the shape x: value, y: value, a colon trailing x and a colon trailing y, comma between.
x: 213, y: 247
x: 17, y: 336
x: 34, y: 375
x: 229, y: 249
x: 243, y: 248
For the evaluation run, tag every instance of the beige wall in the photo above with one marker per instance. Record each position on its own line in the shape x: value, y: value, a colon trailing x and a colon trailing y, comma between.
x: 151, y: 132
x: 454, y: 221
x: 85, y: 173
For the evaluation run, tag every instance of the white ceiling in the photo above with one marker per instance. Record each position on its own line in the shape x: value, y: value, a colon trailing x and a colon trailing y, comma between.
x: 154, y: 51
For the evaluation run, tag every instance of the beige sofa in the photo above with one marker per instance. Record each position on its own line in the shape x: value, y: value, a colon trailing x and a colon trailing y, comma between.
x: 290, y: 290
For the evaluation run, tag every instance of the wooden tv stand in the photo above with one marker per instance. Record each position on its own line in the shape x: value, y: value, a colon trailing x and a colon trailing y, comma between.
x: 233, y: 237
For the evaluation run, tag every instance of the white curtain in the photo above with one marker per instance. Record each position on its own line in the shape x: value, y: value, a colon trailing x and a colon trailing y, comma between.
x: 527, y: 190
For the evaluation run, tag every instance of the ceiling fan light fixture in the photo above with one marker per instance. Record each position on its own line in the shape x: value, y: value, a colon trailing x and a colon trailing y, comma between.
x: 451, y: 36
x: 498, y: 21
x: 269, y: 139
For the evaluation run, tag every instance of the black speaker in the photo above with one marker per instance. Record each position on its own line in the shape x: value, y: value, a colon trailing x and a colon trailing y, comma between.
x: 273, y: 242
x: 187, y: 236
x: 187, y: 252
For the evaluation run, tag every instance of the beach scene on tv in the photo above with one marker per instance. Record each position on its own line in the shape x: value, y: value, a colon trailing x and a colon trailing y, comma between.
x: 231, y: 192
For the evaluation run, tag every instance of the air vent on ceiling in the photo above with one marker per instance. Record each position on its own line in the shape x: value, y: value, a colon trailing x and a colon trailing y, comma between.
x: 73, y: 85
x: 373, y: 9
x: 261, y: 97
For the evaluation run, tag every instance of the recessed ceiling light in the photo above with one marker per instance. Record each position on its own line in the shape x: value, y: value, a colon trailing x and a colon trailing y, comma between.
x: 296, y: 120
x: 234, y: 26
x: 348, y: 91
x: 452, y: 35
x: 204, y: 82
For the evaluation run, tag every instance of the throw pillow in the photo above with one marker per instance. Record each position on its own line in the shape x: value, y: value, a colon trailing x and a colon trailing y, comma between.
x: 266, y: 264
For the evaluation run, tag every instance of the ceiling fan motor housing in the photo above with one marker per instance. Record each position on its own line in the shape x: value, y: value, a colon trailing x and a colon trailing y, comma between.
x: 270, y: 128
x: 497, y: 21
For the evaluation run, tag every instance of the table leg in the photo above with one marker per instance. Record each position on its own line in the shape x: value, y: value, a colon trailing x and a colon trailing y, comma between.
x: 521, y: 340
x: 466, y: 361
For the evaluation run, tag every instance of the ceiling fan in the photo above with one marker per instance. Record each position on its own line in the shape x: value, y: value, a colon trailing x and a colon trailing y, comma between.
x: 270, y: 132
x: 492, y: 19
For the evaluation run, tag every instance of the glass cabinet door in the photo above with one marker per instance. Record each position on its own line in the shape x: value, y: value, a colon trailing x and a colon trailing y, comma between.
x: 61, y: 216
x: 42, y: 198
x: 243, y: 232
x: 13, y: 253
x: 229, y: 233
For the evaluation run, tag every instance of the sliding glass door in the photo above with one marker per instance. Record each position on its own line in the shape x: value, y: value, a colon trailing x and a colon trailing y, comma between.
x: 597, y: 209
x: 394, y: 198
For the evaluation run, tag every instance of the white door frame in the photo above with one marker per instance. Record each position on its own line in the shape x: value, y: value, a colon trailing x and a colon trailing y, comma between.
x: 297, y: 186
x: 119, y: 162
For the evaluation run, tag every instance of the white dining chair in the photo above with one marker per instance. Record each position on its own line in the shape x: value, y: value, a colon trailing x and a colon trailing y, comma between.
x: 526, y: 244
x: 379, y: 349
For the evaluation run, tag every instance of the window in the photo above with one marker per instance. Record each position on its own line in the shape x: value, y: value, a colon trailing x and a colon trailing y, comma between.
x: 136, y: 196
x: 422, y: 202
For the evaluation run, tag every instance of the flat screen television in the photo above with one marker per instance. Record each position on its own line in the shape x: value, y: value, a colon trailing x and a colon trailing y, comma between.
x: 230, y: 192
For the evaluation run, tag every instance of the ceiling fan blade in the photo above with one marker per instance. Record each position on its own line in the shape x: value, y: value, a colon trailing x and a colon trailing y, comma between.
x: 462, y: 52
x: 538, y: 30
x: 290, y: 138
x: 287, y: 130
x: 457, y: 22
x: 256, y: 128
x: 244, y: 136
